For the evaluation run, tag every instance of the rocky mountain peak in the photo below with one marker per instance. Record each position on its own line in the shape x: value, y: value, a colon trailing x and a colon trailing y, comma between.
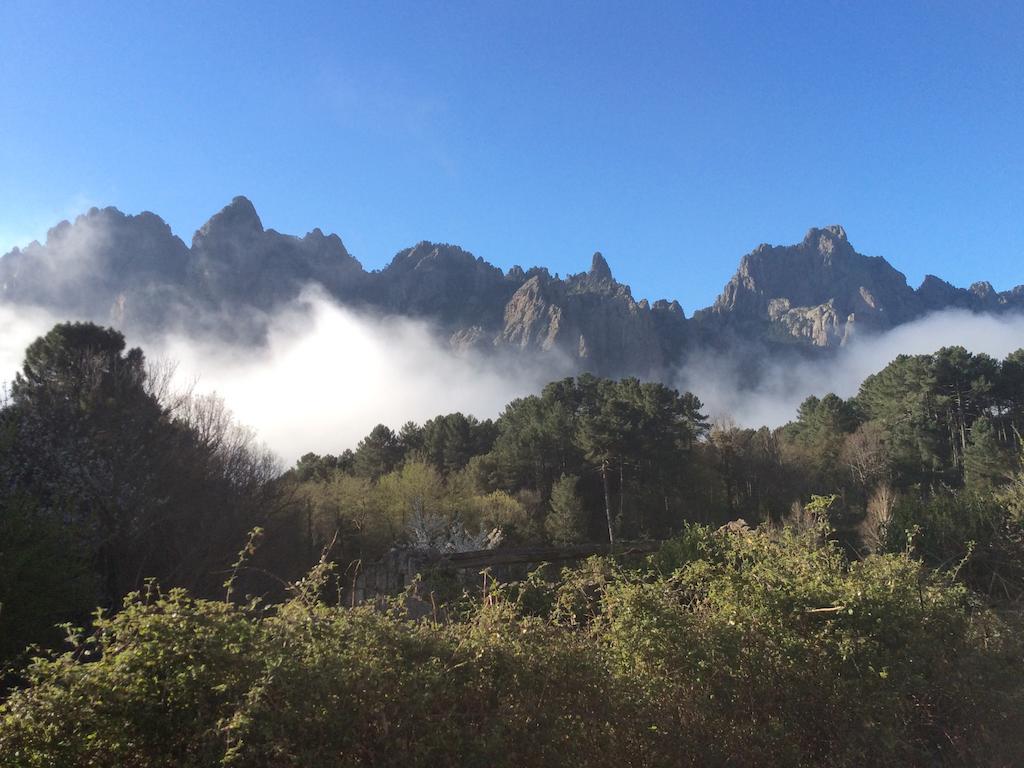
x: 599, y: 269
x: 828, y: 240
x: 598, y: 281
x: 443, y: 282
x: 935, y: 293
x: 982, y: 289
x: 816, y: 289
x: 590, y: 319
x: 669, y: 307
x: 836, y: 231
x: 932, y: 283
x: 86, y: 268
x: 237, y: 219
x: 434, y: 256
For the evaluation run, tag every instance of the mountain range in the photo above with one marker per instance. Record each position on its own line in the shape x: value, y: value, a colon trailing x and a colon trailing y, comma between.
x: 132, y: 272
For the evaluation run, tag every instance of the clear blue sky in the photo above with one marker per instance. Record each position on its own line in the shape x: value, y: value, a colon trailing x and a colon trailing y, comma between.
x: 673, y: 137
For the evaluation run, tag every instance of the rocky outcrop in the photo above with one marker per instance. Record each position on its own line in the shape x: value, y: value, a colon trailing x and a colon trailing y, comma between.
x: 444, y: 283
x: 235, y: 260
x: 814, y: 292
x: 821, y: 292
x: 593, y: 320
x: 822, y: 326
x: 936, y: 294
x: 533, y: 319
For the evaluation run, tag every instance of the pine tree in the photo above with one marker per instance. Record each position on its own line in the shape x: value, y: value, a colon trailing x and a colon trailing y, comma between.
x: 987, y: 464
x: 378, y: 453
x: 566, y: 523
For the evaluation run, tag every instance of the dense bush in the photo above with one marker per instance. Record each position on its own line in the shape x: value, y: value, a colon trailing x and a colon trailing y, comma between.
x: 776, y: 645
x: 728, y: 648
x: 978, y: 536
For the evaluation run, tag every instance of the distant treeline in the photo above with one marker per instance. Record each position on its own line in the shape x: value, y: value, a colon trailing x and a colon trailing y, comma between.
x: 932, y: 441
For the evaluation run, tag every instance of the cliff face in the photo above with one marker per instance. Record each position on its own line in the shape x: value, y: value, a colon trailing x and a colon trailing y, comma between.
x: 593, y: 320
x: 820, y: 292
x: 234, y: 260
x: 133, y: 272
x: 816, y: 291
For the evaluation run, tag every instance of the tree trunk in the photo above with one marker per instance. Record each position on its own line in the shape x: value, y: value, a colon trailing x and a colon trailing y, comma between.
x: 607, y: 504
x: 963, y: 422
x: 622, y: 492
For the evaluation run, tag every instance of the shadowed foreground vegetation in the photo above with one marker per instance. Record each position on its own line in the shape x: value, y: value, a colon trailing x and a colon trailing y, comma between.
x: 725, y: 648
x: 871, y: 617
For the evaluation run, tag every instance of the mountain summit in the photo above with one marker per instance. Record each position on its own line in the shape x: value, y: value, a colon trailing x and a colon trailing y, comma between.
x: 816, y: 291
x: 234, y: 219
x: 599, y: 269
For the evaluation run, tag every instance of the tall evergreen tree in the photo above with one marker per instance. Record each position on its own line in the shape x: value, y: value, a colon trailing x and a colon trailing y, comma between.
x: 378, y: 453
x: 987, y: 463
x: 566, y: 522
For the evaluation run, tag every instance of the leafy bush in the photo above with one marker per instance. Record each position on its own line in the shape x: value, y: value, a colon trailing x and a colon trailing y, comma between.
x: 731, y: 648
x: 975, y: 534
x: 778, y: 646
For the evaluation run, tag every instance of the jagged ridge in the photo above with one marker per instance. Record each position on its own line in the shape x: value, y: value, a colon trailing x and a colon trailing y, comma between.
x: 132, y: 271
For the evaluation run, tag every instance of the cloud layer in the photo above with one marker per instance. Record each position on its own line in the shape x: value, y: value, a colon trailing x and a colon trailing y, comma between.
x: 786, y: 384
x: 328, y: 375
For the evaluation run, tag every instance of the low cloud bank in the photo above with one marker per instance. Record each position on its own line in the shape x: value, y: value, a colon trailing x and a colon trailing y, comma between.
x: 784, y: 385
x: 19, y: 327
x: 328, y: 375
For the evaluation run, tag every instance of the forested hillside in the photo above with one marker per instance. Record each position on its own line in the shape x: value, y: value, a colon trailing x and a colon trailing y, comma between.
x: 865, y: 611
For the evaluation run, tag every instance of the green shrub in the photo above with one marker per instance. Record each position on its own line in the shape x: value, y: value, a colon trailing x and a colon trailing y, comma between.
x: 973, y: 534
x: 744, y: 649
x: 778, y: 646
